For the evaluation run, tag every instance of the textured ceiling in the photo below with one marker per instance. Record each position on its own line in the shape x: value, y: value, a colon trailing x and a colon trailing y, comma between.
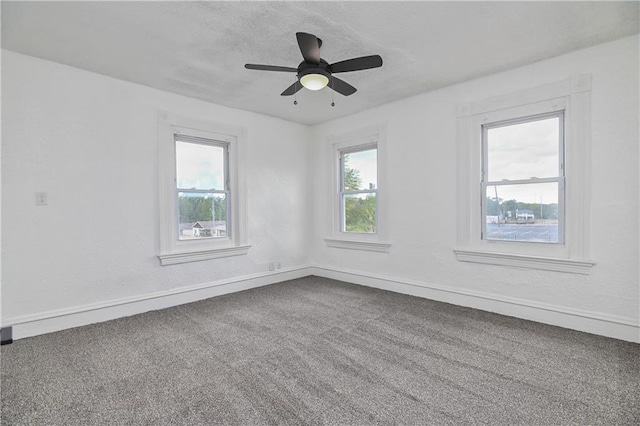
x: 198, y: 49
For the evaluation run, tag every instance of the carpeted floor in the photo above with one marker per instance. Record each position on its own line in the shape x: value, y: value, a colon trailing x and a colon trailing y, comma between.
x: 318, y: 351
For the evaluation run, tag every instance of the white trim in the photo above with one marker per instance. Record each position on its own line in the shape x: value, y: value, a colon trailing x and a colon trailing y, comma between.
x: 375, y: 135
x: 358, y: 245
x: 615, y: 326
x: 175, y: 258
x: 573, y: 85
x: 521, y: 261
x: 571, y: 95
x: 62, y: 319
x: 172, y: 250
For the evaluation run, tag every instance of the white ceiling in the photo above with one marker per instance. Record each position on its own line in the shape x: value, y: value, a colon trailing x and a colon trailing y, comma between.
x: 199, y: 49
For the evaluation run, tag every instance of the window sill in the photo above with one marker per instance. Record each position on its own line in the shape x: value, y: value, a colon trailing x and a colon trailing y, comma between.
x: 358, y: 245
x: 522, y: 261
x: 195, y: 256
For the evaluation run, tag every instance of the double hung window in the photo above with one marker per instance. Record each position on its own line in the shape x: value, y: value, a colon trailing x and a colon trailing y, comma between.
x: 202, y: 188
x: 523, y: 174
x: 358, y: 190
x: 202, y: 204
x: 522, y: 188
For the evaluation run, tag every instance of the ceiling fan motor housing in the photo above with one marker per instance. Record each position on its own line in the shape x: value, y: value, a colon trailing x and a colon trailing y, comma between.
x: 306, y: 68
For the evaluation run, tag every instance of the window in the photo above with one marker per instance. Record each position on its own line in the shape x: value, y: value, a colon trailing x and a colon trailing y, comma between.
x: 523, y: 179
x: 358, y: 190
x: 201, y: 201
x: 202, y: 188
x: 523, y: 173
x: 357, y: 162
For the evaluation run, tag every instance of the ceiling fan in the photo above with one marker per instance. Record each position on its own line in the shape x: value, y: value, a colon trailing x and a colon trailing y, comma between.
x: 314, y: 73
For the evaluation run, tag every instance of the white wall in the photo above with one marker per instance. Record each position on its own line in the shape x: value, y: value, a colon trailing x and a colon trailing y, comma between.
x: 421, y: 140
x: 91, y: 142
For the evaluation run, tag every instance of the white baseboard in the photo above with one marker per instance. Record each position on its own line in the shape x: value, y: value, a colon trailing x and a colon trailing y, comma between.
x: 56, y: 320
x: 591, y: 322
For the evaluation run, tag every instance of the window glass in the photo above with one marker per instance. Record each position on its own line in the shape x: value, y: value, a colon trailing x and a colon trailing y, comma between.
x: 202, y: 215
x: 199, y: 166
x: 360, y: 213
x: 524, y: 150
x: 202, y: 195
x: 358, y: 194
x: 527, y: 212
x: 524, y: 180
x: 360, y: 170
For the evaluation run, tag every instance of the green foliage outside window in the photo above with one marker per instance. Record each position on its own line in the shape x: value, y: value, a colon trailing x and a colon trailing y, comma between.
x: 359, y: 213
x: 194, y: 209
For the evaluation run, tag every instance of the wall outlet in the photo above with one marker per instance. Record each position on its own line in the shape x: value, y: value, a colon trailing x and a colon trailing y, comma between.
x: 42, y: 198
x: 275, y: 265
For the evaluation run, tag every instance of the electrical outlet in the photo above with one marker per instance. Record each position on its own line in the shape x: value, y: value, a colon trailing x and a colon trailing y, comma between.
x: 42, y: 198
x: 274, y: 265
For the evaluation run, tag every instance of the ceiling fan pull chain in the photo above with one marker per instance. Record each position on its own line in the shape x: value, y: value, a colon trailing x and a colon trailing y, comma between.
x: 295, y: 94
x: 333, y: 93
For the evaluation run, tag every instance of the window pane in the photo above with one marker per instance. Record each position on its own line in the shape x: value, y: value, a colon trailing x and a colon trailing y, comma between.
x: 199, y: 166
x: 522, y: 212
x: 360, y: 213
x: 360, y: 170
x: 524, y: 150
x: 201, y: 215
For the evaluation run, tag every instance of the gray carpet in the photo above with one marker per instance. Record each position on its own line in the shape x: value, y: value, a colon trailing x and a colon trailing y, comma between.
x: 318, y: 351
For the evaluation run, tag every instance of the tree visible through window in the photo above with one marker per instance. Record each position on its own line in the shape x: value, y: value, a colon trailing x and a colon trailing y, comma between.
x: 358, y: 190
x: 523, y: 179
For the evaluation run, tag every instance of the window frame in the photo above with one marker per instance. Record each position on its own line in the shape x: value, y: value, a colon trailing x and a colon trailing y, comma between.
x: 227, y: 187
x: 571, y: 96
x: 559, y: 179
x: 172, y: 249
x: 343, y: 193
x: 353, y: 141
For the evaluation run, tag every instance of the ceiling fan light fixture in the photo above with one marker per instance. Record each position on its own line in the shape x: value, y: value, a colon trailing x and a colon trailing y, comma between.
x: 314, y: 73
x: 314, y: 81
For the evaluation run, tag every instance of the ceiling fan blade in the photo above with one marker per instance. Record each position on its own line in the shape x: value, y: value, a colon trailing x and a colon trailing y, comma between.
x: 269, y: 68
x: 309, y: 47
x: 292, y: 89
x: 341, y: 86
x: 357, y: 64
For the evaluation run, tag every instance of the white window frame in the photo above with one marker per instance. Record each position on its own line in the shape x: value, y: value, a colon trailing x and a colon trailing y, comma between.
x: 173, y: 250
x: 186, y: 138
x: 572, y: 96
x: 343, y: 192
x: 559, y: 179
x: 348, y: 142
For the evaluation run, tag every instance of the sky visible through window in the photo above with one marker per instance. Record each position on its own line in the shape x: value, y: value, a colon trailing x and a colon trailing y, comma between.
x: 366, y: 163
x: 523, y: 151
x: 527, y: 210
x: 199, y: 166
